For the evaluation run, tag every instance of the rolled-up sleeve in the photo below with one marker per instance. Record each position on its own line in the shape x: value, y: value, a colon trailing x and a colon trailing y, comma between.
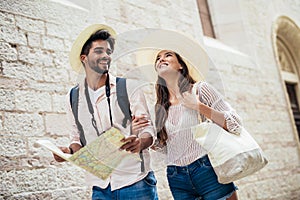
x: 211, y: 97
x: 138, y: 106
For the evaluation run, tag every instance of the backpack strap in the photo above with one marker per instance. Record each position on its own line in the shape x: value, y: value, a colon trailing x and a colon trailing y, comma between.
x: 123, y: 101
x: 74, y: 97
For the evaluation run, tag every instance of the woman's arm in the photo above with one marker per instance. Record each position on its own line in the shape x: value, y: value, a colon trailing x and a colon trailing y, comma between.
x: 211, y: 104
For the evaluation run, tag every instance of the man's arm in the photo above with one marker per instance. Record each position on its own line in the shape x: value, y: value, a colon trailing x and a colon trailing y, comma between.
x: 142, y: 127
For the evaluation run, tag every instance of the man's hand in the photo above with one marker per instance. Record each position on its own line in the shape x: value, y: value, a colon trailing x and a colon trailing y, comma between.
x: 72, y: 149
x: 63, y: 149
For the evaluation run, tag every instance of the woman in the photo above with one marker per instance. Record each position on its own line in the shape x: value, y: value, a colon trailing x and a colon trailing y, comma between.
x: 189, y: 172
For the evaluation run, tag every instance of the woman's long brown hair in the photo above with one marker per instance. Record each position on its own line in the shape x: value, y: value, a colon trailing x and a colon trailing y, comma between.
x: 163, y: 104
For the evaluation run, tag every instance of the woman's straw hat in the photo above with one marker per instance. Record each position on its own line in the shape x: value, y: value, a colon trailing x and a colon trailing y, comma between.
x: 74, y: 56
x: 190, y: 50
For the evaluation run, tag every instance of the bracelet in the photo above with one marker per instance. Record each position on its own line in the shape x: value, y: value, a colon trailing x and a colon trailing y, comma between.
x: 71, y: 150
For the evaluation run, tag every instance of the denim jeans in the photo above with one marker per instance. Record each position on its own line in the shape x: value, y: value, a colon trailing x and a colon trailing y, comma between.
x: 141, y: 190
x: 197, y: 181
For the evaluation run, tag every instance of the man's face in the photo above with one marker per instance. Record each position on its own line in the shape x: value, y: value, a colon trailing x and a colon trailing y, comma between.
x: 98, y: 58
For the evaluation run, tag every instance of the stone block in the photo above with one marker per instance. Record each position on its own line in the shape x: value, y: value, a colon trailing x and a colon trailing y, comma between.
x: 7, y: 99
x: 22, y: 73
x: 1, y: 122
x: 75, y: 77
x: 7, y: 19
x: 29, y: 24
x: 23, y: 124
x: 59, y: 103
x: 76, y: 193
x: 59, y: 30
x: 7, y: 186
x: 13, y: 146
x: 12, y: 35
x: 33, y: 101
x: 35, y: 56
x: 9, y: 163
x: 46, y: 195
x: 57, y: 75
x: 113, y: 10
x: 48, y: 87
x: 133, y: 13
x: 68, y: 46
x: 61, y: 59
x: 57, y: 124
x: 81, y: 193
x: 63, y: 13
x: 27, y: 161
x: 73, y: 174
x: 53, y: 43
x: 34, y: 39
x: 8, y: 52
x: 35, y: 180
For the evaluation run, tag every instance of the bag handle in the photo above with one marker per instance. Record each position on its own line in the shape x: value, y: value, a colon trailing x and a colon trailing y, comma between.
x: 197, y: 92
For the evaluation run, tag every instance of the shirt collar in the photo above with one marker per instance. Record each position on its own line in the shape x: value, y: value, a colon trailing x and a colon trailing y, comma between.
x: 112, y: 80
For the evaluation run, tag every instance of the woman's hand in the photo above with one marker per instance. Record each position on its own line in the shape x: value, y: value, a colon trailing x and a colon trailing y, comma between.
x: 139, y: 123
x: 190, y: 100
x: 132, y: 144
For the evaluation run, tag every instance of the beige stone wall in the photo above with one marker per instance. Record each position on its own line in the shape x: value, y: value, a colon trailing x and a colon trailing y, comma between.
x: 35, y: 38
x: 255, y: 86
x: 258, y: 93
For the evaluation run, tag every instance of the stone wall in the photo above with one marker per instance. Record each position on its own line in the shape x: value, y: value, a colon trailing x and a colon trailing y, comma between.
x: 35, y: 38
x: 254, y: 84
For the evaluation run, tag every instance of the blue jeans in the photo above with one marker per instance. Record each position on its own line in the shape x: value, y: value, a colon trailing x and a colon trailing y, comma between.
x: 144, y: 189
x: 197, y: 181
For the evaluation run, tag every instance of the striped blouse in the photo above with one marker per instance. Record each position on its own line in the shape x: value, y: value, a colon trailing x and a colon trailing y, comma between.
x: 182, y: 148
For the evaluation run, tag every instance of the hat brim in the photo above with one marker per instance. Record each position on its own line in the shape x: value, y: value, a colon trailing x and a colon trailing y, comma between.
x: 190, y: 50
x: 74, y: 55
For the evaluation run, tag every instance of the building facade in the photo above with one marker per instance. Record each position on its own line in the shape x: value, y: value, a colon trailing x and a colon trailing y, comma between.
x: 255, y: 62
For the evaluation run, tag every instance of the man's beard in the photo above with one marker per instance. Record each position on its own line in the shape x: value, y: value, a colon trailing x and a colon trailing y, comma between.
x: 98, y: 69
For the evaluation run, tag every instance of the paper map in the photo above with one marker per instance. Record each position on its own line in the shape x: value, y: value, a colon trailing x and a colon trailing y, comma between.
x: 100, y: 157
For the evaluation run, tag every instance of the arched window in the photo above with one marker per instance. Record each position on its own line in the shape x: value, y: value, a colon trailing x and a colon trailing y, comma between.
x: 287, y: 42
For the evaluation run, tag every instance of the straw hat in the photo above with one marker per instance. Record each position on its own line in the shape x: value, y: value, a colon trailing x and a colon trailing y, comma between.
x: 74, y: 56
x: 190, y: 50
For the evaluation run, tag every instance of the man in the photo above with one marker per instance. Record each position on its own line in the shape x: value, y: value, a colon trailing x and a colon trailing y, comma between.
x: 98, y: 110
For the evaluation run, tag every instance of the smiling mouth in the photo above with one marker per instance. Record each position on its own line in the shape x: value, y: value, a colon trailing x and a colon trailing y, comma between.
x: 104, y: 62
x: 162, y: 65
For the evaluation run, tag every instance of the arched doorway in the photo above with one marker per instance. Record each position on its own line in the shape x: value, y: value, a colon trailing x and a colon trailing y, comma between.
x: 286, y: 40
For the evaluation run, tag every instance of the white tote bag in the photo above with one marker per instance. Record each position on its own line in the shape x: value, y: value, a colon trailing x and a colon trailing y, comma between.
x: 232, y: 156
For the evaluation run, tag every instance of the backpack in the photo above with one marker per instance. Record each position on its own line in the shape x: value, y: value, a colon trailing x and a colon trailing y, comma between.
x: 122, y: 98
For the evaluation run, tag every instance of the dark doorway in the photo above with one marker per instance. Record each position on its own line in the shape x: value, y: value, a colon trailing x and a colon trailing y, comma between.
x: 291, y: 89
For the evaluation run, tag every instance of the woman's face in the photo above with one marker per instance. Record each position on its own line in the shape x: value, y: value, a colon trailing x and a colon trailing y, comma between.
x: 166, y: 63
